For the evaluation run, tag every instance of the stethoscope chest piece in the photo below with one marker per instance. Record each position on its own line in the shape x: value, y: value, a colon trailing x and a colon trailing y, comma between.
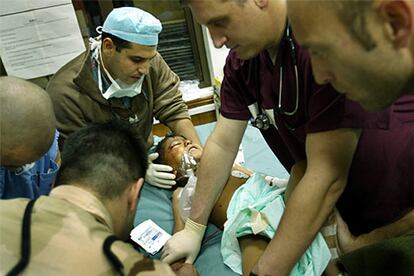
x: 261, y: 121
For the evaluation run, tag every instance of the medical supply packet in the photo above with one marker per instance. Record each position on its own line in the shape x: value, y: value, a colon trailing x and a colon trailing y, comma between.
x: 149, y: 236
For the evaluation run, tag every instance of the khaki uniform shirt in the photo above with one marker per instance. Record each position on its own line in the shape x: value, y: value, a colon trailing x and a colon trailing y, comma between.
x: 68, y: 230
x: 78, y: 101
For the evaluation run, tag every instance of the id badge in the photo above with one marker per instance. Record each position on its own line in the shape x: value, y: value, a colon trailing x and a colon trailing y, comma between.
x: 150, y: 236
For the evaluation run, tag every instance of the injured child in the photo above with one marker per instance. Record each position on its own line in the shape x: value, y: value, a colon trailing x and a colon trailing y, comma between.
x: 250, y: 208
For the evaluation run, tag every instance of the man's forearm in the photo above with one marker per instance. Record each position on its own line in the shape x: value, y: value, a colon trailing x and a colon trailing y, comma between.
x: 329, y: 156
x: 397, y: 228
x: 306, y: 211
x: 215, y: 166
x: 185, y: 128
x: 296, y: 174
x: 212, y: 176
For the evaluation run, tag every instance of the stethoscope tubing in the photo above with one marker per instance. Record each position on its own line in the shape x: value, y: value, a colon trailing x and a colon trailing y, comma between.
x: 280, y: 110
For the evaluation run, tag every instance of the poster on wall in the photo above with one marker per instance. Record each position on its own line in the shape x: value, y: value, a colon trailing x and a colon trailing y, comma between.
x: 38, y: 37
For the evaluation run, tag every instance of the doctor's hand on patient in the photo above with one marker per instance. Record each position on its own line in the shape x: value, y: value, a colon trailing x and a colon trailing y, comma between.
x: 184, y: 244
x: 346, y: 241
x: 159, y: 175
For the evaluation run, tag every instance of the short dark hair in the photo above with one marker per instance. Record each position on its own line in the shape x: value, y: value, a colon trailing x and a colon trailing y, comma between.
x: 160, y: 149
x: 353, y: 14
x: 119, y: 42
x: 105, y: 158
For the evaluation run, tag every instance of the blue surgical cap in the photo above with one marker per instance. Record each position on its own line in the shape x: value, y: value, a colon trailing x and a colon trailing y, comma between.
x: 133, y: 25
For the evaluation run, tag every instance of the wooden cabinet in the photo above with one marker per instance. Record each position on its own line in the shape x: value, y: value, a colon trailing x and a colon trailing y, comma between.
x: 197, y: 119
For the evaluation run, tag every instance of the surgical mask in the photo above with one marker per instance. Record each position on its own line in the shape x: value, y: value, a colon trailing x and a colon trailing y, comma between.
x: 118, y: 88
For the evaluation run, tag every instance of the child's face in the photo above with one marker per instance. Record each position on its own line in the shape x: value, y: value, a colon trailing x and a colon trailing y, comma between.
x: 175, y: 147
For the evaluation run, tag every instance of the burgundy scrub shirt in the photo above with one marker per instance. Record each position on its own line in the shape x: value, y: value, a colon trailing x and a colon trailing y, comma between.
x: 380, y: 186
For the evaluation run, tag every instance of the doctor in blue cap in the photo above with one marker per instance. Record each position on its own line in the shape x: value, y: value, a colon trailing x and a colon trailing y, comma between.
x: 123, y: 77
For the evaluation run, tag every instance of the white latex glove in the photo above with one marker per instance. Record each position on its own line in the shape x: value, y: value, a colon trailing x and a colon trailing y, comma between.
x: 159, y: 175
x: 184, y: 244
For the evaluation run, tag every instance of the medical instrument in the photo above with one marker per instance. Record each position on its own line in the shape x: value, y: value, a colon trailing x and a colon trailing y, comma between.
x: 186, y: 197
x: 262, y: 121
x: 26, y: 244
x: 188, y: 165
x: 187, y: 169
x: 293, y: 57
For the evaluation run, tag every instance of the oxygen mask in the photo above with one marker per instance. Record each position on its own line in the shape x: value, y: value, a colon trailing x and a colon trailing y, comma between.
x: 188, y: 165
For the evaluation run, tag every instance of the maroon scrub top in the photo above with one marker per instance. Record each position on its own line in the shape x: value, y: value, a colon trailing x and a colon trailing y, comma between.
x: 381, y: 180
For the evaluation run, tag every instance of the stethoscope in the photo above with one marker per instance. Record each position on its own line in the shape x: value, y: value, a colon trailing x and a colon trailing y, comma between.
x: 25, y: 253
x: 262, y: 121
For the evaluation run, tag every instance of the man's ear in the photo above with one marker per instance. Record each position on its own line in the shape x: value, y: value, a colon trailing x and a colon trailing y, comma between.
x: 108, y: 46
x: 261, y: 3
x: 398, y: 15
x: 134, y: 194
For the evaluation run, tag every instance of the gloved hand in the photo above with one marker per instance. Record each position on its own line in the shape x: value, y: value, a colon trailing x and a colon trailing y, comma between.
x: 159, y: 175
x: 184, y: 244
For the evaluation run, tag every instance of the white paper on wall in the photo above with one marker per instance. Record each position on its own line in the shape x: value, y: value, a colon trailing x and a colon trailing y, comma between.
x: 38, y: 42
